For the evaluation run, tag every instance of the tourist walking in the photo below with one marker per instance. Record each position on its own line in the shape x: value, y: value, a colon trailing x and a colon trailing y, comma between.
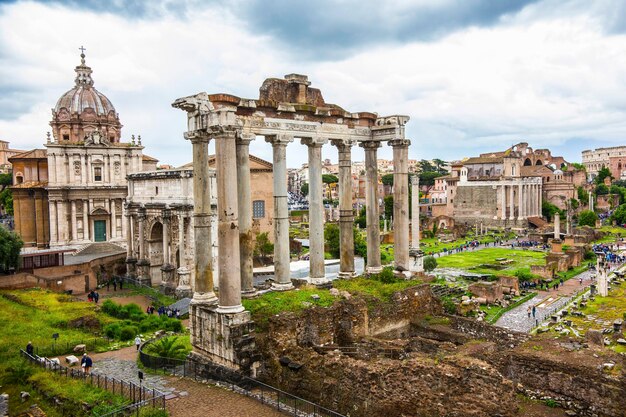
x: 121, y: 282
x: 529, y: 311
x: 114, y: 284
x: 534, y: 311
x: 86, y: 363
x: 30, y: 349
x: 137, y: 342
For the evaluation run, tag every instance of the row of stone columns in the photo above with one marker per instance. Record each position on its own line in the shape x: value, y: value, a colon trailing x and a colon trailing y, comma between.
x: 529, y: 201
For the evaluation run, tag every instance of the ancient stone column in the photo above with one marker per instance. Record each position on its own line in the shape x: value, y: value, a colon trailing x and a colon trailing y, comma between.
x: 62, y: 221
x: 228, y: 222
x: 316, y: 211
x: 246, y: 235
x: 113, y: 221
x: 415, y: 211
x: 166, y: 237
x: 590, y: 201
x: 520, y: 199
x: 346, y: 212
x: 282, y: 280
x: 401, y: 203
x: 142, y: 220
x: 371, y: 202
x: 53, y: 222
x: 73, y: 214
x: 181, y: 239
x: 203, y: 291
x: 129, y: 236
x: 503, y: 201
x: 512, y: 202
x: 85, y: 220
x: 557, y: 226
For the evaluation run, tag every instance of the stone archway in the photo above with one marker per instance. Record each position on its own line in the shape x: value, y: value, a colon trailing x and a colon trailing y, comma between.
x: 538, y: 162
x: 155, y: 251
x: 527, y: 162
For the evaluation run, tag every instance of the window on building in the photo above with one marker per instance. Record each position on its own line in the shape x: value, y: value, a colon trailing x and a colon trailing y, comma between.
x: 97, y: 174
x: 258, y: 209
x: 66, y: 136
x: 19, y: 179
x: 156, y: 190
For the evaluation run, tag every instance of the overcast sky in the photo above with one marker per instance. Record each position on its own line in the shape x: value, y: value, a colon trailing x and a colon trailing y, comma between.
x: 473, y: 75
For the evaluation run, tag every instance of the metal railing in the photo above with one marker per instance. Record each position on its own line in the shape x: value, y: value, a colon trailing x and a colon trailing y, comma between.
x: 60, y: 348
x: 266, y: 394
x: 139, y: 395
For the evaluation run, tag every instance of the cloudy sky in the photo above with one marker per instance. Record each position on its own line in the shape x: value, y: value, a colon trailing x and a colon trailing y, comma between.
x: 473, y: 75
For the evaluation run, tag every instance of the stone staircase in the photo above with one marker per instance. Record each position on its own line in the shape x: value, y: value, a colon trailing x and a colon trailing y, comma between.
x: 443, y: 291
x: 99, y: 248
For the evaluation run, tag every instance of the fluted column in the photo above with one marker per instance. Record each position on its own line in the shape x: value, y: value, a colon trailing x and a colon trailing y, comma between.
x: 166, y: 237
x: 282, y: 280
x: 203, y: 290
x: 316, y: 211
x: 539, y: 200
x: 62, y: 220
x: 52, y: 205
x: 181, y: 239
x: 73, y: 214
x: 371, y: 202
x: 125, y: 231
x: 401, y: 203
x: 246, y: 235
x: 129, y: 235
x: 228, y: 222
x: 520, y: 199
x: 346, y: 212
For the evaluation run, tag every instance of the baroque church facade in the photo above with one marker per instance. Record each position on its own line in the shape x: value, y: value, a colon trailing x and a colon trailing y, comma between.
x: 87, y: 166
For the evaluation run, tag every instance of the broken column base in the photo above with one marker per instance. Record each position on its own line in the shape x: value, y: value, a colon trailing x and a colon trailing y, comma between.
x: 346, y: 275
x: 143, y: 272
x: 183, y: 290
x: 416, y: 261
x: 223, y: 339
x: 373, y: 269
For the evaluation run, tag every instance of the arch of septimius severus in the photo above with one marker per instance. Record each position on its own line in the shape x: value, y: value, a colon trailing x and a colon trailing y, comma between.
x: 287, y: 109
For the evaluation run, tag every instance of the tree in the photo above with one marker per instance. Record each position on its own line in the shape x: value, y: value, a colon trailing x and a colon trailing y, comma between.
x: 619, y: 215
x: 331, y: 237
x: 10, y: 246
x: 426, y: 166
x: 602, y: 189
x: 578, y: 167
x: 439, y: 164
x: 587, y: 218
x: 428, y: 178
x: 548, y: 210
x: 388, y: 201
x: 6, y: 200
x: 360, y: 245
x: 263, y: 247
x: 387, y: 179
x: 574, y: 203
x: 329, y: 179
x: 602, y: 174
x: 6, y: 180
x: 304, y: 189
x: 169, y: 347
x: 583, y: 196
x: 361, y: 219
x: 430, y: 263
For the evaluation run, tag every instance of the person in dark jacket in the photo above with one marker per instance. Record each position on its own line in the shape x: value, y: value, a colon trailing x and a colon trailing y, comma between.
x: 29, y: 348
x: 86, y: 363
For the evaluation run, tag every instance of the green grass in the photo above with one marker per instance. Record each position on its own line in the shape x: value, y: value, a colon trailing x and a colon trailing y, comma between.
x: 370, y: 287
x: 433, y: 245
x: 472, y: 260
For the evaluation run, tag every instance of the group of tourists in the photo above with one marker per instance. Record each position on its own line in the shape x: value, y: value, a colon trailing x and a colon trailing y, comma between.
x: 93, y: 296
x: 169, y: 312
x: 115, y: 282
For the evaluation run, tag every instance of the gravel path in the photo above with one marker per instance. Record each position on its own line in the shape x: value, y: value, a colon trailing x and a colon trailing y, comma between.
x: 517, y: 318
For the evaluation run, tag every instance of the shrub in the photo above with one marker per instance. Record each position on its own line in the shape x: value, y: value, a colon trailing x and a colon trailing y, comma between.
x: 17, y: 372
x: 112, y: 331
x: 449, y: 306
x: 168, y: 347
x: 430, y: 263
x: 152, y: 412
x: 587, y: 218
x: 386, y: 276
x: 523, y: 274
x: 128, y: 332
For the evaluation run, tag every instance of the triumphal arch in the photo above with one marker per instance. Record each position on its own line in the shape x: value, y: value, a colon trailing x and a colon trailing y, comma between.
x: 287, y: 109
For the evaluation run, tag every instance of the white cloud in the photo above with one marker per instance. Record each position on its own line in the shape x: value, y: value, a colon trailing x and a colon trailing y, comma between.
x: 544, y: 77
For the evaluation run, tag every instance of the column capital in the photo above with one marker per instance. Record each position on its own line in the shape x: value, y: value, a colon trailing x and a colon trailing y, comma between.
x: 166, y: 215
x: 222, y: 131
x: 370, y: 145
x: 281, y: 139
x: 198, y: 136
x: 245, y: 138
x: 315, y: 142
x: 415, y: 179
x: 343, y: 143
x: 402, y: 143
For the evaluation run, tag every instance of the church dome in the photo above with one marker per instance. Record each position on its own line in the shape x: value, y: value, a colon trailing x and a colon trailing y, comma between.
x: 84, y: 95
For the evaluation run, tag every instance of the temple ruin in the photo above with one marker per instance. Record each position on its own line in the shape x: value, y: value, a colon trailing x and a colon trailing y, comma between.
x: 287, y: 109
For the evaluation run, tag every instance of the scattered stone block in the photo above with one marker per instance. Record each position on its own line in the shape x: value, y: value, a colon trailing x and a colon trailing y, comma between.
x: 72, y: 360
x: 608, y: 366
x: 346, y: 295
x: 621, y: 341
x: 79, y: 348
x: 594, y: 337
x: 334, y: 292
x: 315, y: 296
x: 55, y: 360
x: 24, y: 396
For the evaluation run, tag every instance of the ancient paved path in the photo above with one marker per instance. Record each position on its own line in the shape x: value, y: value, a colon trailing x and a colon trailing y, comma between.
x: 186, y: 398
x: 517, y: 318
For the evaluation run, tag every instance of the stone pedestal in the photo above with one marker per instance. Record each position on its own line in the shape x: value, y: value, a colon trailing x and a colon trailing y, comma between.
x: 225, y: 339
x: 131, y: 267
x: 143, y: 272
x: 416, y: 261
x: 168, y: 283
x: 183, y: 289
